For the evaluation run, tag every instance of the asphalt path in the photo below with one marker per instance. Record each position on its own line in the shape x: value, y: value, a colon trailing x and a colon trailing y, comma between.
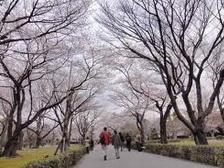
x: 133, y: 159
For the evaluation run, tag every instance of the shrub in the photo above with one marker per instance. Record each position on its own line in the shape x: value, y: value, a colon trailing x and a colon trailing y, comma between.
x: 64, y: 161
x: 219, y: 137
x: 204, y: 154
x: 169, y: 141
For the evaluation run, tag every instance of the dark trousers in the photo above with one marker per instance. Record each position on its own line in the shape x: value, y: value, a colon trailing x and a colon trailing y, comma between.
x: 139, y: 146
x: 129, y: 146
x: 87, y: 149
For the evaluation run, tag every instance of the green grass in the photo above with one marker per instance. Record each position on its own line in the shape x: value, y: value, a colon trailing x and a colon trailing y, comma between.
x: 212, y: 142
x: 27, y: 155
x: 184, y: 142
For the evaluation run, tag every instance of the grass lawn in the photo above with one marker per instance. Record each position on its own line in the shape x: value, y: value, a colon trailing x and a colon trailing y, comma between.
x: 27, y: 155
x: 212, y: 142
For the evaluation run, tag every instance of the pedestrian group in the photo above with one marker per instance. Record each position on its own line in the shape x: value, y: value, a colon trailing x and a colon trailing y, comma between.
x: 118, y: 140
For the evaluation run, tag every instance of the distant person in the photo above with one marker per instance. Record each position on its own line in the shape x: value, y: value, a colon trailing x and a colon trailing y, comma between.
x: 122, y: 140
x: 128, y: 141
x: 104, y: 141
x: 116, y: 142
x: 87, y: 144
x: 91, y: 144
x: 138, y: 142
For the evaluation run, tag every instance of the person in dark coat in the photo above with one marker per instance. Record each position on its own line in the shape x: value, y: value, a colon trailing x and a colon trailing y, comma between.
x: 122, y: 140
x: 138, y: 142
x: 128, y: 141
x: 91, y: 143
x: 87, y: 144
x: 116, y: 142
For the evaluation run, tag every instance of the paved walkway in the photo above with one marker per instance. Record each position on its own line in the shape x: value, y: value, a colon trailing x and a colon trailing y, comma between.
x: 133, y: 159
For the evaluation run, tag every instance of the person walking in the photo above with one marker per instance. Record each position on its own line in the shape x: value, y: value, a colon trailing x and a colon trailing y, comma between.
x: 105, y: 141
x: 116, y: 142
x: 91, y: 144
x: 128, y: 141
x: 87, y: 144
x: 122, y: 140
x: 138, y: 142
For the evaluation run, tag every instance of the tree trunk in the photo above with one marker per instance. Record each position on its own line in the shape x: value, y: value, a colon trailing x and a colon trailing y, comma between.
x: 65, y: 130
x: 141, y: 130
x: 20, y: 141
x: 142, y: 133
x: 11, y: 147
x: 222, y: 114
x: 38, y: 141
x: 197, y: 129
x: 70, y: 131
x: 65, y: 142
x: 10, y: 127
x: 163, y: 132
x: 65, y: 145
x: 12, y: 144
x: 200, y: 137
x: 30, y: 145
x: 3, y: 137
x: 53, y: 139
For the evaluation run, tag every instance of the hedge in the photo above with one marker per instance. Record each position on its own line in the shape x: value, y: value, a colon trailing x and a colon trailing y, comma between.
x: 204, y: 154
x: 61, y: 161
x: 169, y: 141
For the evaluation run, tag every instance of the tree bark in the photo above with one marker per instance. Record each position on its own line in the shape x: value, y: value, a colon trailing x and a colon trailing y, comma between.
x: 10, y: 127
x: 65, y: 143
x: 3, y: 136
x: 163, y: 132
x: 12, y: 143
x: 222, y: 114
x: 200, y: 138
x: 38, y: 141
x: 142, y: 132
x: 70, y: 131
x: 11, y: 147
x: 20, y: 141
x: 83, y: 137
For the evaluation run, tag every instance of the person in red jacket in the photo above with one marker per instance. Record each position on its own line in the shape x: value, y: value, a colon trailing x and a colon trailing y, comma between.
x: 105, y: 141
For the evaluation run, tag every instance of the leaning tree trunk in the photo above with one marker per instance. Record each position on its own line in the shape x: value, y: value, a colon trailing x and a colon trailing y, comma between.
x: 142, y: 132
x: 197, y: 128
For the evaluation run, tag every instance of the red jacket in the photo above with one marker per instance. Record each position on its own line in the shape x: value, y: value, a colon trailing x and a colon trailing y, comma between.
x: 106, y: 137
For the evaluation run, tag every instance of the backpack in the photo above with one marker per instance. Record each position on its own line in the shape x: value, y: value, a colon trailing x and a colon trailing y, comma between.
x: 102, y: 141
